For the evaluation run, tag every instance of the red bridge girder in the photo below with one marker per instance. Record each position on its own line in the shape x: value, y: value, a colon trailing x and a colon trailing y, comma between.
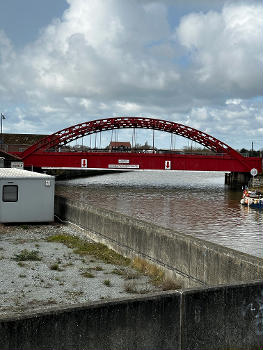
x: 138, y: 161
x: 62, y: 137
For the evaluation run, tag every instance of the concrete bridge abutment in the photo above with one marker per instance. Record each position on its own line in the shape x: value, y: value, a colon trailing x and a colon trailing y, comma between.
x: 237, y: 178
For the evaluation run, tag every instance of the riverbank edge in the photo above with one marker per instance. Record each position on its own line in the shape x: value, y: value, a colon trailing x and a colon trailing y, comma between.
x: 191, y: 261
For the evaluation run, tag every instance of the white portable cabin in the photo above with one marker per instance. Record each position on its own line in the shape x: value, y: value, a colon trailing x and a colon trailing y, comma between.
x: 26, y: 196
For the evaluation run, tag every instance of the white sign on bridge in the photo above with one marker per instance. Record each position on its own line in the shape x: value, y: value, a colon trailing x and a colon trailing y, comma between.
x: 84, y: 163
x: 167, y: 165
x: 17, y: 165
x: 123, y: 166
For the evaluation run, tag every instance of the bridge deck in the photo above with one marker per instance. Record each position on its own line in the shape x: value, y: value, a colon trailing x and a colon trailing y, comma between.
x: 141, y: 161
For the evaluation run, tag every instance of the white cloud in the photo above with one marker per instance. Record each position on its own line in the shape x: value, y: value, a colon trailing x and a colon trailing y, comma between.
x: 225, y: 49
x: 234, y: 101
x: 104, y: 58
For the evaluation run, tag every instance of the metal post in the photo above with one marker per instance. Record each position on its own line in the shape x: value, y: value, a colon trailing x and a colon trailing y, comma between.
x: 1, y: 131
x: 2, y: 118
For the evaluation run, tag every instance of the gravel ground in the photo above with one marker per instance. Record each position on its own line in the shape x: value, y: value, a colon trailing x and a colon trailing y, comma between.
x: 57, y: 278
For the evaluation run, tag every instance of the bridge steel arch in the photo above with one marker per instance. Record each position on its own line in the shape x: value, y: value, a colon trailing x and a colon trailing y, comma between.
x: 64, y: 136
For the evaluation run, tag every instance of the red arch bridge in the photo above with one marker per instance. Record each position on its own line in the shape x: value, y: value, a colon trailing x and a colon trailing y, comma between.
x: 46, y: 153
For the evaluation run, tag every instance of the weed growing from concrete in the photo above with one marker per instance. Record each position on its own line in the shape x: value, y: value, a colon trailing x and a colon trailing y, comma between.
x: 26, y: 255
x: 107, y: 283
x: 157, y: 276
x: 98, y: 268
x: 155, y: 273
x: 68, y: 264
x: 98, y: 250
x: 55, y: 267
x: 21, y: 264
x: 131, y: 275
x: 119, y: 272
x: 130, y: 287
x: 169, y: 284
x: 87, y: 274
x: 74, y: 293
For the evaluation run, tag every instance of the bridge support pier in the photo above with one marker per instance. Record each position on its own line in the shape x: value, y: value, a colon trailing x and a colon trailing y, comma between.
x: 235, y: 178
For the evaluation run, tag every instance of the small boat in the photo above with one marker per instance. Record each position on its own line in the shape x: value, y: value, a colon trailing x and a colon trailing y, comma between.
x: 252, y: 199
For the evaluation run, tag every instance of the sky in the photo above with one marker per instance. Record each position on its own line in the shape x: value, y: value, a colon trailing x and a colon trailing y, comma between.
x: 194, y: 62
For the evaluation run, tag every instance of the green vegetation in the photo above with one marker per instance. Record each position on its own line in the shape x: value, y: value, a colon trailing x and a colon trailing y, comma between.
x: 87, y: 274
x: 155, y: 273
x: 130, y: 287
x: 103, y: 253
x: 119, y: 272
x: 97, y: 250
x: 98, y: 268
x: 26, y: 255
x: 107, y: 283
x: 157, y: 276
x: 55, y: 267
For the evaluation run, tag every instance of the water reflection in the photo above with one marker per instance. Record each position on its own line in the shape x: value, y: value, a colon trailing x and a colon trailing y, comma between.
x: 193, y: 203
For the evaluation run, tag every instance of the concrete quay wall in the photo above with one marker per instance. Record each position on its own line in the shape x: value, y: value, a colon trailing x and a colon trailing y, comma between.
x: 192, y: 261
x: 224, y: 317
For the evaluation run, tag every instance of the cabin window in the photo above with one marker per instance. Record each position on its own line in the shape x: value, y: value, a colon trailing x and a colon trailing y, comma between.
x: 10, y: 193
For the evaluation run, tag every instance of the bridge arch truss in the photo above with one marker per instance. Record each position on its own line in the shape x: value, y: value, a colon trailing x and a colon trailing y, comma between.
x: 67, y: 135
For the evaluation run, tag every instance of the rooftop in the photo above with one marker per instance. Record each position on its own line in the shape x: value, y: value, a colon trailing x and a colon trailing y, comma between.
x: 19, y: 173
x: 120, y: 144
x: 21, y: 139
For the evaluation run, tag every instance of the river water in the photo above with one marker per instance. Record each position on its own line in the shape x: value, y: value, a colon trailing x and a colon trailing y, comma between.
x: 195, y: 203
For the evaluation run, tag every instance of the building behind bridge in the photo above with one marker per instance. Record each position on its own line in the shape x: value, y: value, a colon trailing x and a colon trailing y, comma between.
x: 18, y: 142
x: 119, y: 146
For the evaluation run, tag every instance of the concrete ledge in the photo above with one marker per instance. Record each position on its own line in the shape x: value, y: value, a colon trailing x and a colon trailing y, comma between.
x: 140, y: 323
x: 225, y: 317
x: 194, y: 262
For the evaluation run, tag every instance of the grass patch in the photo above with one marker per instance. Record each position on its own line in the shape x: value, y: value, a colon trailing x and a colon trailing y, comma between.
x: 98, y: 268
x: 74, y: 293
x: 156, y: 275
x: 97, y: 250
x: 119, y: 272
x: 169, y: 284
x: 131, y: 275
x: 87, y: 274
x: 68, y: 264
x: 130, y: 287
x: 107, y: 283
x: 26, y: 255
x: 154, y: 272
x: 55, y: 267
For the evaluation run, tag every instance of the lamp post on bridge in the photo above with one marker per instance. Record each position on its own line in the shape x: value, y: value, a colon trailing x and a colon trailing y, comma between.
x: 2, y: 118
